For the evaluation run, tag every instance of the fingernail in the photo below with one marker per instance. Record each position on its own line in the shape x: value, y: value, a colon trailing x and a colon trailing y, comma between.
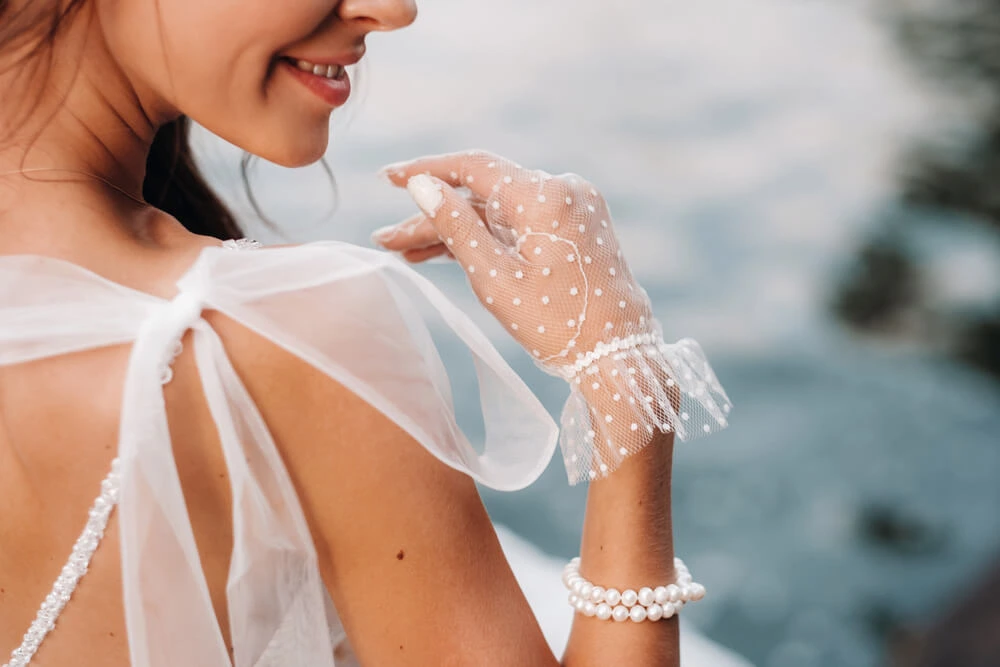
x: 383, y: 234
x: 426, y: 192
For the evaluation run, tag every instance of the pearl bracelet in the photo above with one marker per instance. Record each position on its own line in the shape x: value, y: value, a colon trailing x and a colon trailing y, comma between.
x: 648, y: 604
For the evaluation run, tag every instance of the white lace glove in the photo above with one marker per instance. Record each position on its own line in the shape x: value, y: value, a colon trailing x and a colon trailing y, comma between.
x: 541, y: 254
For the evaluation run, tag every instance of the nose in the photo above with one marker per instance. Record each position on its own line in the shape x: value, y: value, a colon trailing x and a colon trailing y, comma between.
x: 382, y: 15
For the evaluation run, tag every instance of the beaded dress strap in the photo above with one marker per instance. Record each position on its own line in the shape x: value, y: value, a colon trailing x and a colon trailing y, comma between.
x: 86, y: 544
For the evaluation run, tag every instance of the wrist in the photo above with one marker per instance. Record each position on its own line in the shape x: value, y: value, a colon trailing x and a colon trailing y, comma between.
x: 628, y: 533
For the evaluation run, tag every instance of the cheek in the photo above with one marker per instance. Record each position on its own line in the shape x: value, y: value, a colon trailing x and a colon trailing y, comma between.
x: 212, y: 60
x: 240, y: 94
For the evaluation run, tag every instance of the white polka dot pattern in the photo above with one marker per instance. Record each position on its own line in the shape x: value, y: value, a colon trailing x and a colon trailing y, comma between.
x: 548, y: 265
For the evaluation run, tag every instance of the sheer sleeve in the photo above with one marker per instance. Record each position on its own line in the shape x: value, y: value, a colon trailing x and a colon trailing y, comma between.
x: 360, y: 316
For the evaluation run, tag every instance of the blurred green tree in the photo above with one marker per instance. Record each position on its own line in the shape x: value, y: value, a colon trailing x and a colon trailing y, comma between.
x: 956, y: 45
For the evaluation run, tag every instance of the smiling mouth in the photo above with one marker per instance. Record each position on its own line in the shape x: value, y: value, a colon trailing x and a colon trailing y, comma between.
x: 333, y: 72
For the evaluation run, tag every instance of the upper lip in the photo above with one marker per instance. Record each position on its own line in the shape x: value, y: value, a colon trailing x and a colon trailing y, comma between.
x: 342, y: 60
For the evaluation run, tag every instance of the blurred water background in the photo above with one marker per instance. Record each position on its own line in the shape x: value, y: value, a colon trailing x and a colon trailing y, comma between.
x: 802, y: 185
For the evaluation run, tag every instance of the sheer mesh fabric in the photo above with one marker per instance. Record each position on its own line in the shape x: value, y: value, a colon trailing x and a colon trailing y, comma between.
x: 540, y: 252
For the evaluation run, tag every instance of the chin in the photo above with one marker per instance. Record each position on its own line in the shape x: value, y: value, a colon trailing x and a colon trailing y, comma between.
x: 297, y: 149
x: 285, y: 143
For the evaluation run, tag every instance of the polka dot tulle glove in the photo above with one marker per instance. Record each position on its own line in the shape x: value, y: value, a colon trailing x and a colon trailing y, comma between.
x: 541, y: 254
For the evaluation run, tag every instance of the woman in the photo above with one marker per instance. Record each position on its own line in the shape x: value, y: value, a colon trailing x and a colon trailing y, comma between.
x: 274, y: 420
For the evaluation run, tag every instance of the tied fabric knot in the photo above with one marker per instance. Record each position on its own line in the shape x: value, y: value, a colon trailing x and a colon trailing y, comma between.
x: 168, y: 324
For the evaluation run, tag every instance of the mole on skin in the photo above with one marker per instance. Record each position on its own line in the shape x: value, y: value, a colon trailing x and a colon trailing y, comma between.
x: 400, y: 556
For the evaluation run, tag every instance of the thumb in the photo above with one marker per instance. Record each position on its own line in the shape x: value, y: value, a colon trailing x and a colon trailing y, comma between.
x: 456, y: 221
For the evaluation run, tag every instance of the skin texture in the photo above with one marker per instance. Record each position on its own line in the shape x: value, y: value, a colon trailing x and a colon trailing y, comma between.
x: 123, y: 68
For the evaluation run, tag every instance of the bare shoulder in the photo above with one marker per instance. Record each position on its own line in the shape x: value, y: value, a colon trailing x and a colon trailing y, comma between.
x: 407, y: 550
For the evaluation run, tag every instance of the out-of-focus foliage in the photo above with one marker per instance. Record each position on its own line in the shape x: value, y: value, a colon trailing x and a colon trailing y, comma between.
x: 945, y: 181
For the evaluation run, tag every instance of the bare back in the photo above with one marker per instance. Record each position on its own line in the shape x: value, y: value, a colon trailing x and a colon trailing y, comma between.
x: 60, y: 422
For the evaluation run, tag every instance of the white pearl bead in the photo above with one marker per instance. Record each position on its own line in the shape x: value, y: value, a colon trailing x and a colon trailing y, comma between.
x: 673, y: 593
x: 580, y: 604
x: 669, y: 609
x: 603, y: 611
x: 612, y: 596
x: 654, y: 612
x: 638, y: 614
x: 646, y: 596
x: 660, y: 595
x: 629, y: 597
x: 620, y: 614
x: 576, y: 585
x: 697, y: 591
x: 589, y: 609
x: 597, y: 594
x: 586, y: 589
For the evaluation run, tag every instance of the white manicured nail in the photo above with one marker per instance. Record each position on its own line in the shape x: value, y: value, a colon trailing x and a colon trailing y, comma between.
x: 426, y: 192
x: 383, y: 234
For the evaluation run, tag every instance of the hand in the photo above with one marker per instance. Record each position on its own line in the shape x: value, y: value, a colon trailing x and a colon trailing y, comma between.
x: 541, y: 254
x: 539, y: 250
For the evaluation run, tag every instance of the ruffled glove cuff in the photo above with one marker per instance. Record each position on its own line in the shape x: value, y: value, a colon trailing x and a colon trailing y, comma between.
x: 625, y: 390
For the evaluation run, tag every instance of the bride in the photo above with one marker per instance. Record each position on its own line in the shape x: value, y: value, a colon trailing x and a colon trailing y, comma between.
x: 214, y: 453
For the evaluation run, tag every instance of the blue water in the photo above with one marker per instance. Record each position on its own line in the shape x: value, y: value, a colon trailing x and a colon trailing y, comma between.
x: 745, y: 147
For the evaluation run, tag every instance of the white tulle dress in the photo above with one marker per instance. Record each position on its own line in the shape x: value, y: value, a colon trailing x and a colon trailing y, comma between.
x: 350, y: 312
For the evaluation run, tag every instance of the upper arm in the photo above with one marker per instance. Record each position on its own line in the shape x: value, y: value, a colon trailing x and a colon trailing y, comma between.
x: 405, y: 545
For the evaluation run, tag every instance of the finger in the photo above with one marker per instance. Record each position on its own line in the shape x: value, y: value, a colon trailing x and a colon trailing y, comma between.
x: 414, y: 232
x: 417, y: 255
x: 481, y: 172
x: 506, y: 194
x: 446, y: 166
x: 464, y: 232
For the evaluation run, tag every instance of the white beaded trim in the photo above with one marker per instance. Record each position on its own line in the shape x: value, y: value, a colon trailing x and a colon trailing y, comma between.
x: 79, y: 561
x: 601, y: 350
x: 241, y: 244
x: 646, y: 604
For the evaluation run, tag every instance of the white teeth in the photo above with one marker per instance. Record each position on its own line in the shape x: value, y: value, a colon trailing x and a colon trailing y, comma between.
x: 326, y: 71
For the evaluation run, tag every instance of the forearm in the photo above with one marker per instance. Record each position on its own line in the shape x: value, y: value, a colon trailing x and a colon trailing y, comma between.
x: 628, y: 543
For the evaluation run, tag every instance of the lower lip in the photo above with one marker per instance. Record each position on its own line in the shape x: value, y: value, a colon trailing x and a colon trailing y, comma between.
x: 332, y: 91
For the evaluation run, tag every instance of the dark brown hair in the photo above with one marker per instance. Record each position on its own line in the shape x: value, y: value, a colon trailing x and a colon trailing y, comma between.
x: 173, y: 182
